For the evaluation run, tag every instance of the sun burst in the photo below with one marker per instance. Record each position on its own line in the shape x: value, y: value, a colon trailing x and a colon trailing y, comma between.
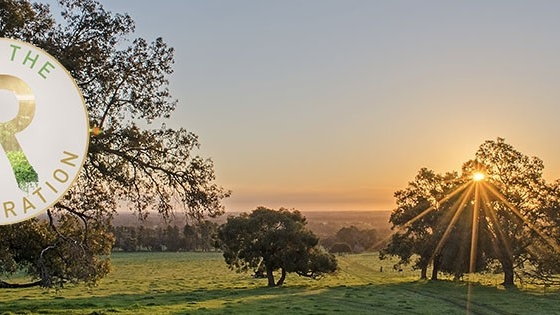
x: 478, y: 176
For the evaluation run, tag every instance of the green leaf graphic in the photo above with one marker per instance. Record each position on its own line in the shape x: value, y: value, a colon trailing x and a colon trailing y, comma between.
x: 25, y: 174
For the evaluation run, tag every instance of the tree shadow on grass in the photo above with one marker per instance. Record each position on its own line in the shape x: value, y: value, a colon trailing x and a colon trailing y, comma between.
x: 135, y: 303
x: 420, y: 297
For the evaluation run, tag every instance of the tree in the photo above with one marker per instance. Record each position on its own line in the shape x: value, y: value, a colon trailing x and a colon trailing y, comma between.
x: 547, y: 265
x: 21, y: 246
x: 358, y: 240
x: 191, y: 237
x: 125, y: 238
x: 340, y: 248
x: 275, y: 239
x: 174, y: 241
x: 206, y: 233
x: 511, y: 214
x: 415, y: 224
x: 521, y: 211
x: 144, y: 168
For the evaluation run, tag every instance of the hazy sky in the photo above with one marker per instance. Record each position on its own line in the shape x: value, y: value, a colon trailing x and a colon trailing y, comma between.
x: 334, y: 105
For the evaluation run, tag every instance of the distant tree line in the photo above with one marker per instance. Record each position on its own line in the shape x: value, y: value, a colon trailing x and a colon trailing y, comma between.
x: 172, y: 238
x: 201, y: 237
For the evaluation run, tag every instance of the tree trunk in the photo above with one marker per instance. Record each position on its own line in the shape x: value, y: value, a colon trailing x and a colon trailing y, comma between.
x: 507, y: 265
x: 435, y: 269
x: 434, y: 273
x: 282, y: 278
x: 6, y: 285
x: 424, y: 273
x: 270, y: 276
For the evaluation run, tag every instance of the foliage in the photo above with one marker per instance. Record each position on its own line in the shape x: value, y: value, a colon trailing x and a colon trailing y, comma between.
x: 350, y: 239
x: 275, y: 239
x: 26, y: 176
x: 359, y: 240
x: 24, y: 20
x: 21, y: 246
x: 340, y: 248
x: 28, y: 247
x: 517, y: 221
x: 192, y: 237
x: 415, y: 238
x: 124, y: 85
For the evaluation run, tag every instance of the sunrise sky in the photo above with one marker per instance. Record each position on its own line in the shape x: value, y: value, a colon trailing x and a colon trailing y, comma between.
x: 334, y: 105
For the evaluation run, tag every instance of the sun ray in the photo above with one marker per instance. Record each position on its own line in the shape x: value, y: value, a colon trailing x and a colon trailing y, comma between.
x: 474, y: 233
x: 458, y: 208
x: 433, y: 207
x: 422, y: 214
x: 508, y: 204
x: 474, y: 237
x: 500, y: 237
x: 484, y: 222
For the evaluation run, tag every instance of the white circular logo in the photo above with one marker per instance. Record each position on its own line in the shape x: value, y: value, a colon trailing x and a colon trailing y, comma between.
x: 44, y: 131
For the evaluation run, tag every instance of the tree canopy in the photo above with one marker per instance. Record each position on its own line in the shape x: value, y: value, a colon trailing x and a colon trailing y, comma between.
x: 130, y: 164
x: 506, y: 219
x: 273, y: 240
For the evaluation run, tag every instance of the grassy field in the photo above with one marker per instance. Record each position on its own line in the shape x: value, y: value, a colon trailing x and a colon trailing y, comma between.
x: 200, y: 283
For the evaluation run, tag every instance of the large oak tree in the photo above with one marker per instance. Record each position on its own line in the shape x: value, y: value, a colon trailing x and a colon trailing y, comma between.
x: 273, y: 240
x: 514, y: 214
x: 130, y: 164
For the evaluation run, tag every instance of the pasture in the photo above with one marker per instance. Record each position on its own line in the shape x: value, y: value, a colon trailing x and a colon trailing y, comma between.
x: 200, y: 283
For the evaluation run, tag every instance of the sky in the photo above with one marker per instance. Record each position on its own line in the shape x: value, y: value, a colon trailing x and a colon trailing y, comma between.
x: 335, y: 105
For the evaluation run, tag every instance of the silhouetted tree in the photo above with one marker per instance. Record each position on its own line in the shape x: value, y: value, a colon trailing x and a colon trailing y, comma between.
x: 414, y: 238
x: 359, y: 240
x: 547, y: 265
x: 340, y: 248
x: 515, y: 217
x: 275, y: 239
x: 520, y: 179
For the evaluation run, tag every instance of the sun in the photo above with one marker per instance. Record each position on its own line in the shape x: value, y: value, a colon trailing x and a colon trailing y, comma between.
x: 478, y: 176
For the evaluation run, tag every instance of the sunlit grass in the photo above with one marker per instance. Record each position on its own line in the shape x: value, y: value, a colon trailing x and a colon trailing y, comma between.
x: 476, y: 192
x: 200, y: 283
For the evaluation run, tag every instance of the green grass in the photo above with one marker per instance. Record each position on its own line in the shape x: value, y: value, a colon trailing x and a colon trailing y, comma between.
x: 200, y: 283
